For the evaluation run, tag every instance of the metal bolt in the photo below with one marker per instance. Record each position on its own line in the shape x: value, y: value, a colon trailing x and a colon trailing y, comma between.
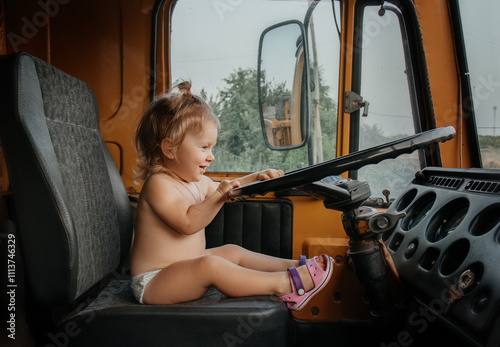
x: 337, y: 296
x: 382, y: 222
x: 466, y: 279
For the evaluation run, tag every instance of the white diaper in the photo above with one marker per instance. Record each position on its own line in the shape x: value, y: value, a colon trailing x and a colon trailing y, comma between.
x: 140, y: 282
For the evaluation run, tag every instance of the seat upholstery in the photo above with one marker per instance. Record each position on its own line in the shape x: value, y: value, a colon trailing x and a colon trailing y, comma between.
x: 75, y: 227
x: 74, y: 223
x: 264, y: 227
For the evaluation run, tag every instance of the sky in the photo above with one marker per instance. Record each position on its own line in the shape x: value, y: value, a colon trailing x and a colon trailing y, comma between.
x: 237, y: 26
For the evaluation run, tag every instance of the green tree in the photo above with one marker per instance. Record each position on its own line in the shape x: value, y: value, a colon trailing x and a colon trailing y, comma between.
x: 239, y: 114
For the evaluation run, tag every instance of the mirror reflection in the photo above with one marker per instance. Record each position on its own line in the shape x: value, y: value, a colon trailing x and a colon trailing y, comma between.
x: 282, y: 85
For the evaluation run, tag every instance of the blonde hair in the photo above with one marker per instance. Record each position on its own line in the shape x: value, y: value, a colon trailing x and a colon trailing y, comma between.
x: 169, y: 116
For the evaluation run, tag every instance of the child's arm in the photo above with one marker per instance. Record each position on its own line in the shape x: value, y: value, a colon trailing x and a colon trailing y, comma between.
x: 172, y: 208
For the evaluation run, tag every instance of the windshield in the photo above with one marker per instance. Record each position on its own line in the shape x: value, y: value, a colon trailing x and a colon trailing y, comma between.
x: 386, y: 84
x: 215, y: 45
x: 482, y: 43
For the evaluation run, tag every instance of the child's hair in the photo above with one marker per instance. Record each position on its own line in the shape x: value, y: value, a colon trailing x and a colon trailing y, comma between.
x: 169, y: 116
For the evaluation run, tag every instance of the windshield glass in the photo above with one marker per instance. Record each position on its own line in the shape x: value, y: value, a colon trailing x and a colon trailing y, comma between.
x: 482, y: 43
x: 386, y: 86
x: 215, y: 44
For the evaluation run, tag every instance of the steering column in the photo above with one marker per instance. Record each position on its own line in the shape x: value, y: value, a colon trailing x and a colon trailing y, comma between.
x: 364, y: 226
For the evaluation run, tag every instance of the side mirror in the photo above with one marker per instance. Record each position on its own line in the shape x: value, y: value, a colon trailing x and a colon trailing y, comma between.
x: 283, y: 85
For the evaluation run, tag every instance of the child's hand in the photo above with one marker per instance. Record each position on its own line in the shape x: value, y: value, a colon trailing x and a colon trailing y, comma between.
x: 269, y: 173
x: 256, y: 176
x: 225, y: 187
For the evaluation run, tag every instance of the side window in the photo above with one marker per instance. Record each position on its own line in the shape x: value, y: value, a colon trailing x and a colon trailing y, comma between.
x: 214, y: 44
x: 482, y: 36
x: 386, y: 85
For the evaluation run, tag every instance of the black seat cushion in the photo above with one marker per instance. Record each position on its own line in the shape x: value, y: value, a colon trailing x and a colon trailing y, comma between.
x: 115, y: 319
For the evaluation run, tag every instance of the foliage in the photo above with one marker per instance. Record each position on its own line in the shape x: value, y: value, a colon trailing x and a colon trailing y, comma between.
x: 241, y: 146
x: 328, y: 119
x: 489, y: 141
x: 490, y: 151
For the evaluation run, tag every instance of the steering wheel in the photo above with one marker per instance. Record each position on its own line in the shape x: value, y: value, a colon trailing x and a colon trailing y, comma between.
x: 345, y: 163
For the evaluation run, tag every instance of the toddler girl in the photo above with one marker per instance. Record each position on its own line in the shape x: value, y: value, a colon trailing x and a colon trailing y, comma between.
x: 169, y: 262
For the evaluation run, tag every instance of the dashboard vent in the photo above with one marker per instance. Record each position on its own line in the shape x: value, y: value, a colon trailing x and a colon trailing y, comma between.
x: 445, y: 182
x: 483, y: 186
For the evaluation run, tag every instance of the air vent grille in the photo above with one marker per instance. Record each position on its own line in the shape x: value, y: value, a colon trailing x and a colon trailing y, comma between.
x: 483, y: 186
x: 445, y: 182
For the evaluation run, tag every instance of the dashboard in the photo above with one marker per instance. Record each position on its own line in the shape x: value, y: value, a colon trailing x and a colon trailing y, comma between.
x: 447, y: 248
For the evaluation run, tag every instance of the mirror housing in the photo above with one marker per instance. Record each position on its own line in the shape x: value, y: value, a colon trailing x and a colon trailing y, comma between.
x: 283, y: 85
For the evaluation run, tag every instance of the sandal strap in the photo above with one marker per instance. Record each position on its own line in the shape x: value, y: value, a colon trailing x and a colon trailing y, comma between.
x: 302, y: 260
x: 299, y: 286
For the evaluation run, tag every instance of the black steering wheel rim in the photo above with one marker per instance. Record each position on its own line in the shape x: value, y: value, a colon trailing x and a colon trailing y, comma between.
x: 345, y: 163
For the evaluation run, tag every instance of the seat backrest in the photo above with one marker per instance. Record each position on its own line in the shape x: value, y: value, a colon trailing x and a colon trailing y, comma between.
x: 72, y: 211
x: 263, y: 226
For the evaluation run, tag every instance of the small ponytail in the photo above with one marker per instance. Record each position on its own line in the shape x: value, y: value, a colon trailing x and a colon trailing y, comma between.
x: 169, y: 116
x: 184, y: 88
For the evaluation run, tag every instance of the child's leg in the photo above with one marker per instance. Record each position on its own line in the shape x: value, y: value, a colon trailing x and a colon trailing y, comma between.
x: 189, y: 279
x: 251, y: 260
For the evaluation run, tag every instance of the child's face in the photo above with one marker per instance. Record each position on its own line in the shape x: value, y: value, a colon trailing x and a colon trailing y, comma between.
x: 194, y: 154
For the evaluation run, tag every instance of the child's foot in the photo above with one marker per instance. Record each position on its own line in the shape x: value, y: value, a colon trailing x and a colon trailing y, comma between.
x: 304, y: 274
x: 308, y: 280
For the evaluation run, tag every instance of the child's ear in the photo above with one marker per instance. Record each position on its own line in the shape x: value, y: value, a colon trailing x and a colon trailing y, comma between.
x: 166, y: 148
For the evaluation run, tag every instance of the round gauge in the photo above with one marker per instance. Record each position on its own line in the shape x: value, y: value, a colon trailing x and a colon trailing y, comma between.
x: 486, y: 220
x: 454, y: 256
x: 406, y: 200
x: 418, y: 211
x: 447, y: 219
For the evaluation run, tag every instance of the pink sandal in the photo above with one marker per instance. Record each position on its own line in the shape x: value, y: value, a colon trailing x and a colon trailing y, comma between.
x: 298, y: 298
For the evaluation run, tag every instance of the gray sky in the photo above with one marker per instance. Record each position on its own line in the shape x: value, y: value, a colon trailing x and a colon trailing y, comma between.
x: 236, y: 25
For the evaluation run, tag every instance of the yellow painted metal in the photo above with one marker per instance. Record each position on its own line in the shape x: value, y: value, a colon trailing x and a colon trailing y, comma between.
x: 344, y: 297
x: 440, y: 55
